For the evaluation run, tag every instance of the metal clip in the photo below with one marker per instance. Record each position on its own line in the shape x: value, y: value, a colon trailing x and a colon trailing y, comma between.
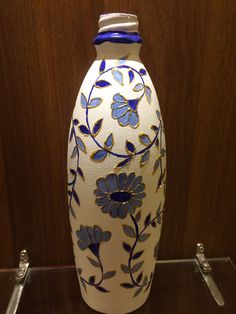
x: 23, y: 266
x: 20, y: 277
x: 205, y: 270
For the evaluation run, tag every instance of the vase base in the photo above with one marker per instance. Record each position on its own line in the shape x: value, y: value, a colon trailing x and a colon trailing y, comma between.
x: 116, y: 309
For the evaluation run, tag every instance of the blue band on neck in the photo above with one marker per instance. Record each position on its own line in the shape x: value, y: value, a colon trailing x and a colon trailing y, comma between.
x: 117, y: 37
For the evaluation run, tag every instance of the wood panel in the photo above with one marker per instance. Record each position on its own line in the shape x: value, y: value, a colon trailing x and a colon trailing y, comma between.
x: 45, y: 51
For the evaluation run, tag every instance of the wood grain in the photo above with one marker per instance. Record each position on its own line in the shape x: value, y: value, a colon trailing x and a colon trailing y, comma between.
x: 45, y: 51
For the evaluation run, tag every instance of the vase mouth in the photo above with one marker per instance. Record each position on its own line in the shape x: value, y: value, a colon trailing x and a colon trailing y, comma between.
x: 118, y: 22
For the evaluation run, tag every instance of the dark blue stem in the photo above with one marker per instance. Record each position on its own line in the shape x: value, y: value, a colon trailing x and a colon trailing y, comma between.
x: 77, y: 164
x: 134, y: 245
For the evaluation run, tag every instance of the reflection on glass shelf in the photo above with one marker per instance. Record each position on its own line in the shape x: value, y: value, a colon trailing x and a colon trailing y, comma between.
x: 177, y: 288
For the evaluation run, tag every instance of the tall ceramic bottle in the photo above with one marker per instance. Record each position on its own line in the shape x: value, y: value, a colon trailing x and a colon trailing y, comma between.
x: 116, y: 172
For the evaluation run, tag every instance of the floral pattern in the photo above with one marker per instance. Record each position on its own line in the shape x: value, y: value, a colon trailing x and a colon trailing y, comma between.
x: 139, y: 234
x: 91, y: 238
x: 88, y: 236
x: 120, y: 194
x: 125, y: 111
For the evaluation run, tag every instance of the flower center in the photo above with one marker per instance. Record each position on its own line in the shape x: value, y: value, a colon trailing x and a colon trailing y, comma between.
x: 120, y: 196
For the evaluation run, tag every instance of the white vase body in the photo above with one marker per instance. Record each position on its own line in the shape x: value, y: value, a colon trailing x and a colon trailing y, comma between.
x: 116, y: 180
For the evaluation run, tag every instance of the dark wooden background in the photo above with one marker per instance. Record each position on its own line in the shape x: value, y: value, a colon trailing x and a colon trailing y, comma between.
x: 45, y: 51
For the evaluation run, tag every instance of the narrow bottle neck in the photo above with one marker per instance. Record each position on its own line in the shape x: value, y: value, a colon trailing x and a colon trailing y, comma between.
x: 110, y: 50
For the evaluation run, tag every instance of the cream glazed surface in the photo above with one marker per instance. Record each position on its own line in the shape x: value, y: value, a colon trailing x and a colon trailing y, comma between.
x: 116, y: 174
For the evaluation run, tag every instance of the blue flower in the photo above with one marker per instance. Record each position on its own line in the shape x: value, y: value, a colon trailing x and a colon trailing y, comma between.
x: 120, y: 194
x: 125, y: 111
x: 91, y: 237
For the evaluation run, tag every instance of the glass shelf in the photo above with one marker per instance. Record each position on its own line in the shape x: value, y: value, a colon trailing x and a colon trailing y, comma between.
x: 177, y: 288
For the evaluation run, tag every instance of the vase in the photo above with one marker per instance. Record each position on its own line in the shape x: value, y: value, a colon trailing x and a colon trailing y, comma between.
x: 116, y: 172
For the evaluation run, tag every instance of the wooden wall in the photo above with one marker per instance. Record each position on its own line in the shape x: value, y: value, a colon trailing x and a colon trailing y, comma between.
x: 45, y: 51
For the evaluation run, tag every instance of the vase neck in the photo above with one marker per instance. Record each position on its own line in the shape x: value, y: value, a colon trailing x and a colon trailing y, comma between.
x: 109, y: 50
x: 117, y: 36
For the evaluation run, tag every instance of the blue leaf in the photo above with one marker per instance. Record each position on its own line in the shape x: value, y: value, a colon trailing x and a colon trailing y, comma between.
x: 127, y: 247
x: 99, y: 155
x: 76, y: 197
x: 100, y: 288
x: 118, y: 76
x: 109, y: 142
x: 147, y: 219
x: 127, y: 285
x: 154, y: 128
x: 83, y: 129
x: 148, y: 93
x: 80, y: 172
x: 129, y: 231
x: 142, y: 71
x: 72, y: 212
x: 81, y: 144
x: 102, y: 66
x: 83, y: 100
x: 123, y: 163
x: 97, y: 126
x: 145, y: 157
x: 118, y: 98
x: 130, y: 147
x: 75, y: 122
x: 122, y: 60
x: 74, y: 152
x: 102, y: 83
x: 137, y: 255
x: 131, y: 75
x: 144, y: 139
x: 138, y: 87
x: 94, y: 102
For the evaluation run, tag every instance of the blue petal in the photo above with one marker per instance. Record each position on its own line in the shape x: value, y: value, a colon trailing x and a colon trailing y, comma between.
x: 118, y: 98
x: 82, y: 245
x: 122, y: 212
x: 101, y: 184
x: 116, y: 105
x: 102, y: 201
x: 112, y: 182
x: 133, y: 121
x: 139, y: 188
x: 122, y: 180
x: 136, y: 202
x: 106, y: 236
x: 130, y: 179
x: 116, y: 113
x: 124, y: 120
x: 107, y: 208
